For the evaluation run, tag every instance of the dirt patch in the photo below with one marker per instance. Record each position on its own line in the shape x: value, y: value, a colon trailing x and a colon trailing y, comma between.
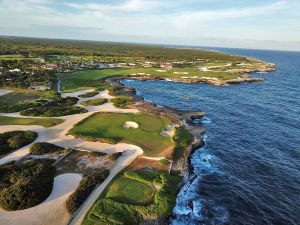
x: 142, y: 163
x: 83, y: 162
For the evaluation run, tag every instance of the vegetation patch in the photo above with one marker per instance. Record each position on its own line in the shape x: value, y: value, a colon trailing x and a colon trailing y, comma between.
x: 95, y: 102
x: 60, y: 107
x: 42, y: 148
x: 120, y: 206
x: 25, y: 185
x: 122, y: 101
x: 13, y: 140
x: 108, y: 127
x: 181, y: 139
x: 89, y: 94
x: 85, y: 188
x: 44, y: 122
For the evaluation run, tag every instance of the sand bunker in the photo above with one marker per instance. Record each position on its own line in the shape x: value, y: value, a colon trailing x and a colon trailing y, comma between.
x: 130, y: 124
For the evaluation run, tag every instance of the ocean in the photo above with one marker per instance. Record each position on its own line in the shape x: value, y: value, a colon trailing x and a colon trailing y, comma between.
x: 248, y: 172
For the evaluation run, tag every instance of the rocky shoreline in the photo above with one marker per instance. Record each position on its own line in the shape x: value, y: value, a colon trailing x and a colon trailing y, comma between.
x: 183, y: 117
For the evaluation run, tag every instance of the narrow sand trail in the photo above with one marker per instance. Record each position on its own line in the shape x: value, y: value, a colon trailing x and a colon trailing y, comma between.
x: 51, y: 211
x: 4, y: 91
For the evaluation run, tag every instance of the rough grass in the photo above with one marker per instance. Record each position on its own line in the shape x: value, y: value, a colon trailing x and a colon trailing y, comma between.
x: 130, y: 191
x: 109, y: 126
x: 19, y: 96
x: 47, y: 122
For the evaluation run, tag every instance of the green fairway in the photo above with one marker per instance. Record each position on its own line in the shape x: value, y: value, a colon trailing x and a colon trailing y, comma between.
x: 130, y: 191
x: 110, y: 126
x: 88, y: 79
x: 47, y: 122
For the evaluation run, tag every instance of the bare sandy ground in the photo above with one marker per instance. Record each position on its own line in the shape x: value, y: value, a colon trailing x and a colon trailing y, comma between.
x: 52, y: 211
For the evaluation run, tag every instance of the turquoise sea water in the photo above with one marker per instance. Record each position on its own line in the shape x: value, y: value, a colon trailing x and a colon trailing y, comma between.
x: 249, y: 170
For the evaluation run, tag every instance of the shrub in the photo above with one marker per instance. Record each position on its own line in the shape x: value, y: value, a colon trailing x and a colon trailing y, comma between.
x: 121, y: 101
x: 164, y: 162
x: 13, y: 140
x: 112, y: 212
x: 17, y: 107
x: 89, y: 94
x: 95, y: 102
x: 26, y: 185
x: 115, y: 156
x: 41, y: 148
x: 86, y: 186
x: 60, y: 107
x: 181, y: 139
x: 114, y: 90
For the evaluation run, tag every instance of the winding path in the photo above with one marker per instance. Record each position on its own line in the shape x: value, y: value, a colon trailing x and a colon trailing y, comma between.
x: 58, y: 135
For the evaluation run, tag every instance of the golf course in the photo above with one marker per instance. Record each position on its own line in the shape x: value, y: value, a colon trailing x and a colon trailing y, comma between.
x: 109, y: 127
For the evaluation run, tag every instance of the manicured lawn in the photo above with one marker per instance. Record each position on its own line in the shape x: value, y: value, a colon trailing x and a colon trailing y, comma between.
x: 110, y: 126
x: 130, y: 191
x: 47, y: 122
x: 87, y: 79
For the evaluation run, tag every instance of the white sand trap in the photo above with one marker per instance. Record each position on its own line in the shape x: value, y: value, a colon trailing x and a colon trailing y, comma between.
x: 50, y: 212
x: 130, y: 124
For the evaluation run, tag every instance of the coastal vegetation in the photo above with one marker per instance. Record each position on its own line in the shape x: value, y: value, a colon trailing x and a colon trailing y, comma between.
x: 57, y: 108
x: 41, y: 148
x: 44, y: 122
x: 94, y: 102
x: 133, y: 196
x: 13, y: 140
x: 86, y: 186
x: 25, y: 185
x: 181, y: 139
x: 89, y: 94
x: 122, y: 101
x: 109, y: 127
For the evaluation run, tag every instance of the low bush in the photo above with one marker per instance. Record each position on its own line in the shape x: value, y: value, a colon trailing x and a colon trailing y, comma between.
x: 114, y: 90
x: 25, y: 185
x: 122, y: 102
x: 112, y: 212
x: 60, y: 107
x: 86, y: 186
x: 41, y: 148
x: 89, y: 94
x: 95, y: 102
x: 181, y: 139
x: 13, y: 140
x: 115, y: 156
x: 164, y: 162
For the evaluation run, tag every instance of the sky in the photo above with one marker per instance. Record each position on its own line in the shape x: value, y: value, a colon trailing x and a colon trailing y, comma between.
x: 258, y: 24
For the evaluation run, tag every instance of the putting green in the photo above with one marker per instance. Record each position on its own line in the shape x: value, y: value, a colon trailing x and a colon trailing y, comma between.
x: 130, y: 191
x: 110, y: 126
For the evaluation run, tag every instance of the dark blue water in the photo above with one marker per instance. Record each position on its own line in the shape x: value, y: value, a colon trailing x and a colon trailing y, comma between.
x: 251, y: 174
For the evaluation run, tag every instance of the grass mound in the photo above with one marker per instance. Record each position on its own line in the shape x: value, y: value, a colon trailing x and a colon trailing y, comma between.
x: 108, y: 127
x: 95, y: 102
x: 13, y: 140
x: 26, y: 185
x: 122, y: 101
